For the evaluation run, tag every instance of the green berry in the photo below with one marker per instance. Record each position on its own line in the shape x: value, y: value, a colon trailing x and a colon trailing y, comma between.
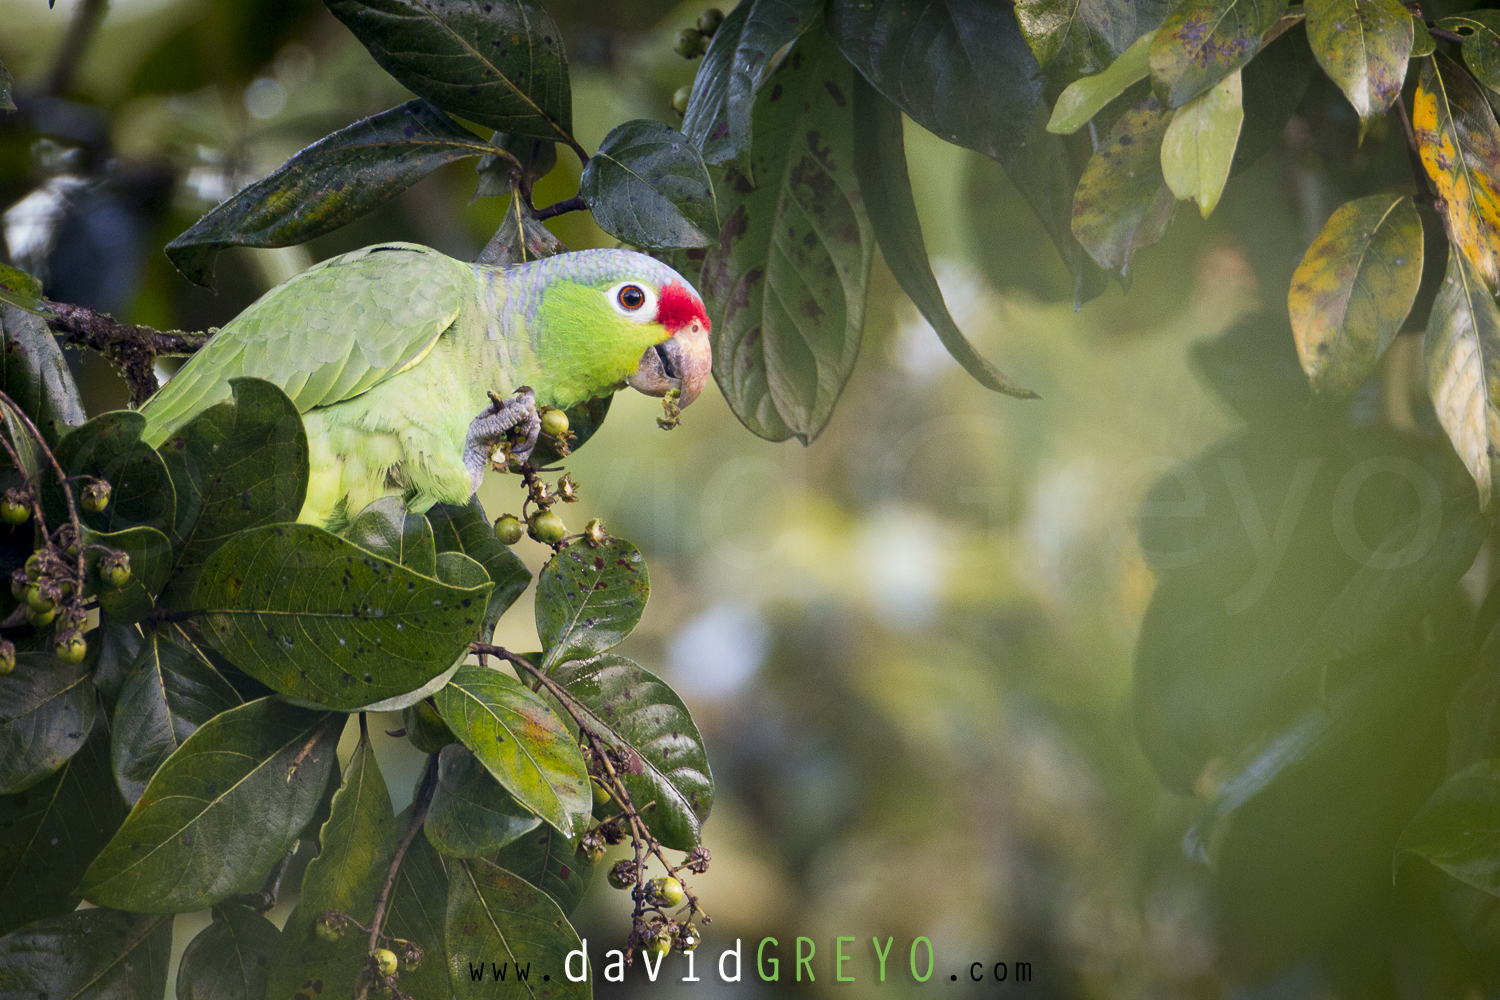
x: 426, y: 728
x: 622, y: 874
x: 689, y: 43
x: 385, y: 961
x: 34, y: 567
x: 13, y: 512
x: 95, y: 497
x: 666, y: 891
x: 601, y: 795
x: 660, y: 945
x: 114, y: 570
x: 7, y: 657
x: 508, y: 529
x: 688, y: 937
x: 19, y: 585
x: 547, y: 527
x: 40, y: 619
x: 591, y: 851
x: 72, y: 649
x: 328, y: 932
x: 37, y: 600
x: 680, y: 99
x: 709, y: 20
x: 554, y: 423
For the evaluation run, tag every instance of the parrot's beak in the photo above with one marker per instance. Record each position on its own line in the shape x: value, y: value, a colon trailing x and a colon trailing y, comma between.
x: 682, y: 361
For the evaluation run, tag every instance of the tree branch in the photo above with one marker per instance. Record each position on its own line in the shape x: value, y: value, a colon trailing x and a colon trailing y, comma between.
x: 573, y: 204
x: 86, y: 18
x: 132, y: 348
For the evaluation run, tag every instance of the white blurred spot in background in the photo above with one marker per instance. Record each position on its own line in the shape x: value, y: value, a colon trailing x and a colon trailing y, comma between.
x: 901, y: 559
x: 265, y: 98
x: 916, y: 346
x: 715, y: 654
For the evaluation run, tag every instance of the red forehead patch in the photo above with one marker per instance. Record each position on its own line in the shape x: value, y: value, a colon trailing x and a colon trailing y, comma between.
x: 678, y: 307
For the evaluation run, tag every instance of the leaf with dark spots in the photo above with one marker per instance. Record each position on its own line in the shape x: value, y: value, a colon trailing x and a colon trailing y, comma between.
x: 109, y: 447
x: 1203, y: 41
x: 547, y: 860
x: 1083, y: 37
x: 329, y: 184
x: 99, y: 953
x: 391, y: 531
x: 471, y: 813
x: 589, y: 599
x: 46, y: 711
x: 495, y: 916
x: 1363, y: 46
x: 648, y: 185
x: 1459, y: 141
x: 1122, y: 202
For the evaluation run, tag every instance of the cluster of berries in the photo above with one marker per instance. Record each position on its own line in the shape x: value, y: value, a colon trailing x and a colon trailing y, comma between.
x: 692, y: 43
x: 543, y: 524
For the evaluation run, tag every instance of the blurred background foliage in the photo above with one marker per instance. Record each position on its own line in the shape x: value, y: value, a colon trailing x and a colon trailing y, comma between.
x: 910, y: 645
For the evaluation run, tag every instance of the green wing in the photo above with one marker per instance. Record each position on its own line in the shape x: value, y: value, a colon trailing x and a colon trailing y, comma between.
x: 332, y: 332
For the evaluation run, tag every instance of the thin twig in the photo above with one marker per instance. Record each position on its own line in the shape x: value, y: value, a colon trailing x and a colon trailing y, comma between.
x: 62, y: 479
x: 133, y: 348
x: 573, y: 204
x: 86, y: 18
x: 1446, y: 36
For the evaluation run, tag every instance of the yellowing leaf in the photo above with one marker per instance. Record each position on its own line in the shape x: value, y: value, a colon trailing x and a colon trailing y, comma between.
x: 1198, y: 147
x: 1460, y: 146
x: 1086, y: 97
x: 1463, y: 369
x: 1363, y: 46
x: 1354, y: 288
x: 1122, y: 202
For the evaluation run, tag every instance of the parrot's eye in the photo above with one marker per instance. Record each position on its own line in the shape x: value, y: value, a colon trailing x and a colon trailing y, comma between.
x: 632, y: 298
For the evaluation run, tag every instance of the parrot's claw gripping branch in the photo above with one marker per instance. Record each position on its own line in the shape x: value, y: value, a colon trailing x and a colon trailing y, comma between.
x: 492, y: 427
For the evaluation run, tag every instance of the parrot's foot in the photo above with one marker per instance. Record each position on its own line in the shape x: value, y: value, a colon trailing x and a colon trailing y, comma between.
x: 493, y: 427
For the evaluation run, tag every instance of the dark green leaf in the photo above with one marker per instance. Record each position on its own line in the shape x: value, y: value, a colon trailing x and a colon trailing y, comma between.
x: 648, y: 186
x: 471, y: 814
x: 494, y: 917
x: 1122, y: 202
x: 521, y: 742
x: 1458, y: 830
x: 468, y: 530
x: 1273, y: 85
x: 496, y: 62
x: 113, y: 648
x: 419, y: 904
x: 109, y: 447
x: 50, y: 832
x: 186, y: 844
x: 46, y: 711
x: 521, y: 237
x: 230, y: 958
x: 355, y: 851
x: 395, y: 534
x: 961, y: 69
x: 1423, y: 44
x: 880, y: 165
x: 786, y: 284
x: 635, y: 712
x: 34, y: 374
x: 536, y: 157
x: 1480, y: 30
x: 1075, y: 39
x: 322, y: 620
x: 328, y: 185
x: 88, y: 955
x: 718, y: 117
x: 171, y: 692
x: 17, y: 288
x: 548, y: 861
x: 589, y: 599
x: 150, y: 554
x: 1203, y: 41
x: 239, y: 464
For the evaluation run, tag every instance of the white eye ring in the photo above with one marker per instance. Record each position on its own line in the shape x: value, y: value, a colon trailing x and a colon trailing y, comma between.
x: 627, y: 291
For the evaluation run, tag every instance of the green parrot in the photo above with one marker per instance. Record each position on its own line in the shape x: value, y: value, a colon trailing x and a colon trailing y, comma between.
x: 390, y: 353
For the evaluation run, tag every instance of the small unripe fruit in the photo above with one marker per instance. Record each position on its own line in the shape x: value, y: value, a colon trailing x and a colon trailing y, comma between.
x: 426, y: 728
x: 689, y: 43
x: 19, y: 584
x: 34, y: 567
x: 622, y: 874
x: 328, y: 932
x: 601, y: 795
x: 547, y: 527
x: 331, y: 925
x: 665, y: 891
x: 709, y: 20
x: 114, y: 570
x: 508, y: 529
x: 7, y: 657
x: 95, y: 497
x: 594, y: 532
x: 680, y: 99
x: 72, y: 649
x: 591, y: 851
x: 554, y: 423
x: 660, y: 945
x: 14, y: 512
x: 688, y: 937
x: 36, y: 600
x: 40, y: 619
x: 385, y: 961
x: 411, y: 957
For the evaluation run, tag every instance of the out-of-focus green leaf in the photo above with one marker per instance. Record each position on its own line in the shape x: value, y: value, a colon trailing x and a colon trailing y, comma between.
x: 355, y: 848
x: 1458, y: 830
x: 1197, y: 149
x: 1274, y: 84
x: 1083, y: 99
x: 548, y: 861
x: 239, y: 464
x: 1480, y: 30
x: 496, y: 917
x: 1074, y: 39
x: 171, y: 692
x: 396, y: 534
x: 17, y: 288
x: 50, y: 832
x: 186, y: 845
x: 1122, y: 202
x: 419, y: 906
x: 34, y: 374
x: 1354, y: 288
x: 89, y: 955
x: 46, y: 711
x: 468, y: 530
x: 471, y: 814
x: 150, y: 554
x: 786, y: 284
x: 329, y: 184
x: 521, y: 742
x: 718, y: 116
x: 589, y: 599
x: 109, y: 447
x: 1203, y: 41
x: 230, y: 959
x: 960, y: 69
x: 1460, y: 145
x: 880, y: 165
x: 1462, y: 355
x: 320, y: 619
x: 637, y: 714
x: 648, y: 185
x: 496, y: 62
x: 1363, y: 46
